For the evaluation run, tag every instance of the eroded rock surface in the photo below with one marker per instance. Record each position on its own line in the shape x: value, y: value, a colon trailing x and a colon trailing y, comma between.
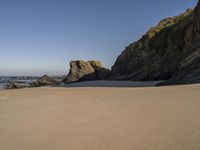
x: 168, y: 51
x: 45, y: 80
x: 86, y: 71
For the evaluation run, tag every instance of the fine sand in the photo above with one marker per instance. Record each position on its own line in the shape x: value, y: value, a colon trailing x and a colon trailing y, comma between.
x: 101, y: 118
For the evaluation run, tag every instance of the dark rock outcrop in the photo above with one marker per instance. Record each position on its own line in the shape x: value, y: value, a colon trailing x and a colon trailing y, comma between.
x: 86, y: 71
x: 44, y: 80
x: 169, y: 51
x: 15, y: 85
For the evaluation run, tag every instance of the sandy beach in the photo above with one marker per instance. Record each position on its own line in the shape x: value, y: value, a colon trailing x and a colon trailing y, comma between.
x: 101, y: 118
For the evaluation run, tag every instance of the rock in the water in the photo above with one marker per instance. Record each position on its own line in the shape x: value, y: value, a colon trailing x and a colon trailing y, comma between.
x: 15, y: 85
x: 168, y: 51
x: 45, y: 80
x: 86, y: 71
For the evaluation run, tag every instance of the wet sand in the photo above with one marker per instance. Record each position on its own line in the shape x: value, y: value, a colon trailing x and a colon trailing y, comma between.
x: 101, y: 118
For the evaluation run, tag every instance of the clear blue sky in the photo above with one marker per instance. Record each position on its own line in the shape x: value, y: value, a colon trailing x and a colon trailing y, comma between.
x: 42, y: 36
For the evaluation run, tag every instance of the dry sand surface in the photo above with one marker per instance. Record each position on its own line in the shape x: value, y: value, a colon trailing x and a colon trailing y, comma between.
x: 86, y: 118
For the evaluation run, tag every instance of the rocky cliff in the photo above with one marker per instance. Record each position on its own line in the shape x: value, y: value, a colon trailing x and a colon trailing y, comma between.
x: 169, y: 51
x: 86, y: 70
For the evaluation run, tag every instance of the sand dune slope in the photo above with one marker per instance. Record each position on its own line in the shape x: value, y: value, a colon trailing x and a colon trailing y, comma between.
x: 158, y: 118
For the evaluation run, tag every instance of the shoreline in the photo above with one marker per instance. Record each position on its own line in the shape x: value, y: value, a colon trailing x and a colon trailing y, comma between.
x: 100, y: 83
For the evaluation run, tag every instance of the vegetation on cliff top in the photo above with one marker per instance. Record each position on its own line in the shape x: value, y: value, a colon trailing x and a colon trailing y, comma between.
x: 159, y: 54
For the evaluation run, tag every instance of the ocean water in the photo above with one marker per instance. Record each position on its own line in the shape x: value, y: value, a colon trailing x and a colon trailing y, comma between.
x: 2, y: 86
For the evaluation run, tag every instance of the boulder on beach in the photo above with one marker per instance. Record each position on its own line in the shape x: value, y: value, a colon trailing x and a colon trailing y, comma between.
x: 45, y: 80
x: 15, y: 85
x: 86, y: 71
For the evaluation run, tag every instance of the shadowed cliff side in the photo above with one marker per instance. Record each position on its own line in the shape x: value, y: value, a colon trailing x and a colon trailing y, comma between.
x: 169, y: 51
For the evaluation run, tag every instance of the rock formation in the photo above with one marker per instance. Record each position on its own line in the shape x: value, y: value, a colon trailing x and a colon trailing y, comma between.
x: 44, y: 80
x: 169, y: 51
x: 15, y: 85
x: 85, y: 71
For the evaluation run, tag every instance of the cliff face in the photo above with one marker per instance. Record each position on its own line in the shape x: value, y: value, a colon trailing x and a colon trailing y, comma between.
x: 168, y: 51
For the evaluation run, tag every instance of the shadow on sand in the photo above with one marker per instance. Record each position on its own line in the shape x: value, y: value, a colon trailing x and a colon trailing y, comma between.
x: 104, y: 83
